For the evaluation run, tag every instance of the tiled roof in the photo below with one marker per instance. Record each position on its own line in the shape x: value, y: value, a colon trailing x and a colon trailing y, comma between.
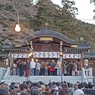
x: 9, y: 48
x: 84, y: 46
x: 3, y: 54
x: 48, y: 31
x: 89, y: 55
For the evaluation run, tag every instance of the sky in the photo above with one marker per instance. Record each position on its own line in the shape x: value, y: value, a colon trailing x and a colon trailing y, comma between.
x: 85, y: 10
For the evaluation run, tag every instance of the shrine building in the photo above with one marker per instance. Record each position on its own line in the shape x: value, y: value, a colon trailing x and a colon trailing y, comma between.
x: 47, y: 44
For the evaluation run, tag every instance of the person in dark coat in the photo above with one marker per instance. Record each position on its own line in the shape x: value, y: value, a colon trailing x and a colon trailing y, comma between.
x: 27, y: 68
x: 69, y: 69
x: 18, y: 63
x: 3, y: 92
x: 21, y: 69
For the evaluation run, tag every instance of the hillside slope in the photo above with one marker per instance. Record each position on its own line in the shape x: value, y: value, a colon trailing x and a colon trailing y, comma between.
x: 32, y: 18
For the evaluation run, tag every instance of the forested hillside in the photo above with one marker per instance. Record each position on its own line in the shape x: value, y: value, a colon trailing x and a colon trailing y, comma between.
x: 33, y: 17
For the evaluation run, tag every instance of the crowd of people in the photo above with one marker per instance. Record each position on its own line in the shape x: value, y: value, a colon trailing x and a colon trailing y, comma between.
x: 27, y: 68
x: 52, y: 88
x: 46, y: 67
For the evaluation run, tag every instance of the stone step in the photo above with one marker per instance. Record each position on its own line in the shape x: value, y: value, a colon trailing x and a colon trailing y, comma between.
x: 45, y: 79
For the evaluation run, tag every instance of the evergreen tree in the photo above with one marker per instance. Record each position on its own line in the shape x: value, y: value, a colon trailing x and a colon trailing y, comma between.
x: 50, y: 13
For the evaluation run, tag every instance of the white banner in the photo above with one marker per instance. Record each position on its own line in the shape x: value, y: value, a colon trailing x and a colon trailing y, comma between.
x: 71, y: 56
x: 46, y: 55
x: 20, y: 55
